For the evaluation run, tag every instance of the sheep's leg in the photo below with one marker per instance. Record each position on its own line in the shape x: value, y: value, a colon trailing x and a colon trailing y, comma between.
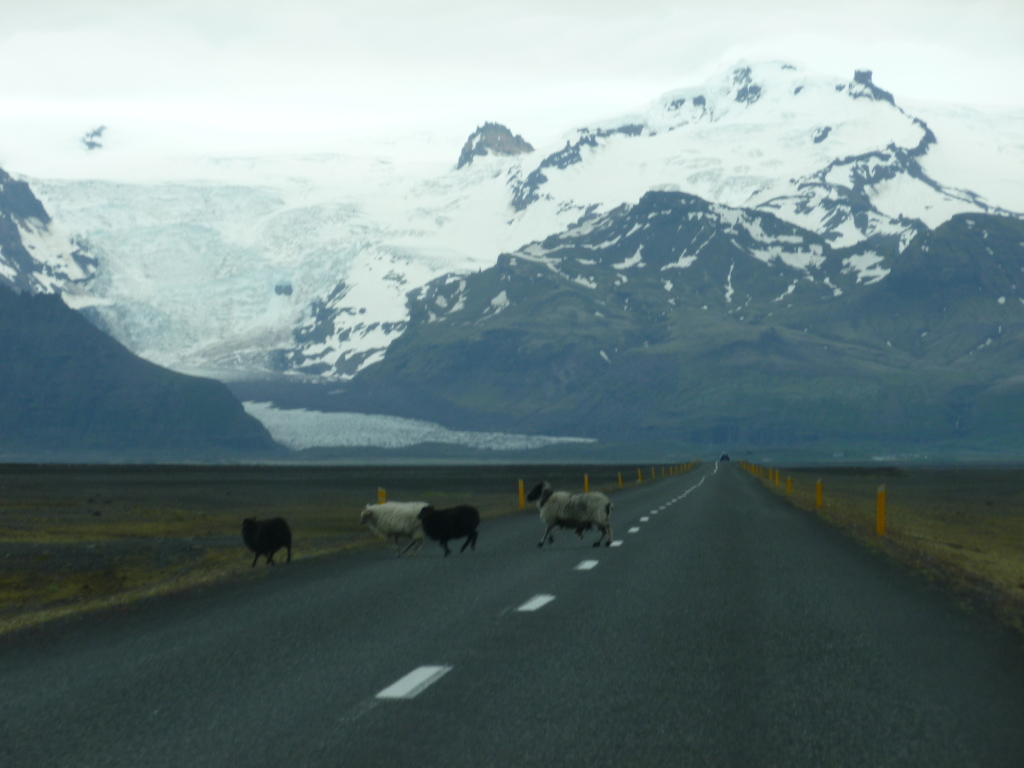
x: 255, y: 559
x: 270, y: 559
x: 606, y: 530
x: 547, y: 535
x: 471, y: 539
x: 289, y: 554
x: 446, y: 550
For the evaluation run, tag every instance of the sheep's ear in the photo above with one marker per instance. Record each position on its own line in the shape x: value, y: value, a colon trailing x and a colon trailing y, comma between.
x: 536, y: 492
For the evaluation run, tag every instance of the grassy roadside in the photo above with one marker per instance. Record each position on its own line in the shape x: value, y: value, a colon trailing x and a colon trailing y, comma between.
x: 80, y: 540
x: 962, y: 528
x: 29, y: 598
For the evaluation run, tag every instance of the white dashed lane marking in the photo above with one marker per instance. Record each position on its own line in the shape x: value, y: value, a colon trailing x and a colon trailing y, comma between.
x: 634, y: 530
x: 535, y: 602
x: 617, y: 543
x: 413, y: 684
x: 645, y: 519
x: 586, y: 565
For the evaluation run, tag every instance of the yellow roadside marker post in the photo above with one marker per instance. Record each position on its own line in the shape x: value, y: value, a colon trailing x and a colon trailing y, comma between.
x: 789, y: 486
x: 817, y: 495
x: 620, y: 479
x: 586, y: 483
x: 522, y: 496
x: 880, y: 513
x: 382, y: 495
x: 776, y: 478
x: 653, y: 476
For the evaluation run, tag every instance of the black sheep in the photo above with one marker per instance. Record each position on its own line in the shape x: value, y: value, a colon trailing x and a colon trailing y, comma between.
x: 265, y: 537
x: 443, y: 525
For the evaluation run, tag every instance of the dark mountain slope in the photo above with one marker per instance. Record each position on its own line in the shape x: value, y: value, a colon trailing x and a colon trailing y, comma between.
x: 69, y: 392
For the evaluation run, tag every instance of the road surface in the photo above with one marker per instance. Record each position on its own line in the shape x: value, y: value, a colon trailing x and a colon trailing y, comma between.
x: 727, y: 629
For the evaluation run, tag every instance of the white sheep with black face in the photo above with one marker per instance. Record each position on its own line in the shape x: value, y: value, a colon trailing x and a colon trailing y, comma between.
x: 396, y: 520
x: 576, y: 511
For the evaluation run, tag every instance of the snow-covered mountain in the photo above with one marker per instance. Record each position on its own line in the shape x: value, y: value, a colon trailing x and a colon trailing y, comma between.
x: 36, y: 254
x: 304, y: 265
x: 669, y: 322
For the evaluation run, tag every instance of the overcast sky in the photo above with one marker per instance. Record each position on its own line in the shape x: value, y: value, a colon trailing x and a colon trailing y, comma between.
x: 252, y: 75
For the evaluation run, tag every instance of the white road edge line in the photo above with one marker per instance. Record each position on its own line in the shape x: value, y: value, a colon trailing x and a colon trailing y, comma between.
x: 535, y: 602
x: 586, y: 565
x: 413, y: 684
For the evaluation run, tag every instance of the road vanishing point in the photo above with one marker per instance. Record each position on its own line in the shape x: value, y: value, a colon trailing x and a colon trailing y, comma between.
x: 730, y: 630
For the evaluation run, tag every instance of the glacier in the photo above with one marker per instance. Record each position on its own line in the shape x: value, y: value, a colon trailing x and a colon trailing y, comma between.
x: 298, y: 428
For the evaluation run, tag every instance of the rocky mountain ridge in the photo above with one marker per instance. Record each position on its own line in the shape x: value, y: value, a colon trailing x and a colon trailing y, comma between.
x: 492, y: 139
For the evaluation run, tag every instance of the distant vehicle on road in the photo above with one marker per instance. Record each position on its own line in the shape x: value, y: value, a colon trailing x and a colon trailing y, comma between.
x: 725, y: 457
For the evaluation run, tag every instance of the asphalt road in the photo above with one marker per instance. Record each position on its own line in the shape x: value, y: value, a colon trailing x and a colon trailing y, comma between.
x: 728, y: 630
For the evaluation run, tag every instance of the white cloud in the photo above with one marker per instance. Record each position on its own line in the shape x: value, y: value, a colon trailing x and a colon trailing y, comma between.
x: 222, y: 75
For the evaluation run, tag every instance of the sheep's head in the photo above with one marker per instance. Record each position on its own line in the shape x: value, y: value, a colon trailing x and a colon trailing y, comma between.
x: 249, y: 530
x: 367, y: 515
x: 423, y: 512
x: 538, y: 491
